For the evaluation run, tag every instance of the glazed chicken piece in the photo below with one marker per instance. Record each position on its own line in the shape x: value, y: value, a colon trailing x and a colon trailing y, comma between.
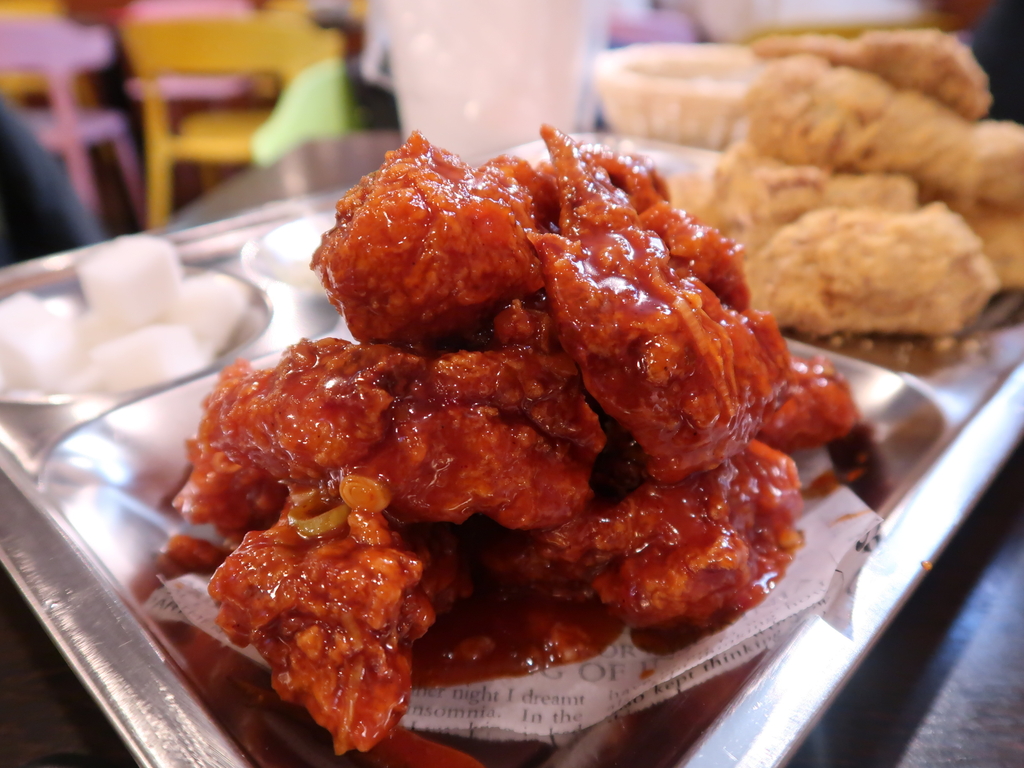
x: 538, y: 181
x: 817, y: 410
x: 506, y: 433
x: 702, y: 251
x: 690, y: 380
x: 634, y: 175
x: 925, y: 60
x: 427, y: 247
x: 335, y: 616
x: 696, y: 553
x: 696, y: 249
x: 234, y: 497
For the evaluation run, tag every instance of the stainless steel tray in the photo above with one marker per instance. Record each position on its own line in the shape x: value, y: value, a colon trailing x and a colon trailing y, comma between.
x: 85, y: 497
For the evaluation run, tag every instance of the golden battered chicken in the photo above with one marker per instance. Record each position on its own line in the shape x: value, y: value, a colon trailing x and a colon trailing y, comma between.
x: 428, y: 247
x: 998, y: 164
x: 805, y: 112
x: 690, y: 380
x: 755, y: 195
x: 1002, y: 236
x: 694, y: 192
x: 925, y: 60
x: 866, y: 270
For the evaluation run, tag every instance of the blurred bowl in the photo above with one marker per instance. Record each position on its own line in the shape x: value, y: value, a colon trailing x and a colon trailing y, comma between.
x: 683, y: 93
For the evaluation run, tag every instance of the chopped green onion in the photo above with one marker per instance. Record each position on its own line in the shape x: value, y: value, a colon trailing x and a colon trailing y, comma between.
x: 318, y: 525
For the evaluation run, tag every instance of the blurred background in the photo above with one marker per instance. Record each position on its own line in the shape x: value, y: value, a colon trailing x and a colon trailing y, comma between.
x: 141, y: 108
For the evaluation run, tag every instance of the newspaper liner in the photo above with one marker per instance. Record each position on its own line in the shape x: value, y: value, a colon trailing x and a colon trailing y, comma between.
x: 839, y: 532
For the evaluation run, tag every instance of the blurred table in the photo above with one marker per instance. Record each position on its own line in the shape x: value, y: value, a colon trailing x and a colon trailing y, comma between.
x: 944, y: 685
x: 316, y: 168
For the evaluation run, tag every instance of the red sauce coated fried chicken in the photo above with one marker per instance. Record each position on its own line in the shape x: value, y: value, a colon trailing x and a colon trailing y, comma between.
x: 698, y: 552
x: 552, y: 348
x: 504, y: 433
x: 712, y: 258
x: 234, y: 497
x: 817, y: 410
x: 691, y: 380
x: 335, y: 617
x: 427, y: 247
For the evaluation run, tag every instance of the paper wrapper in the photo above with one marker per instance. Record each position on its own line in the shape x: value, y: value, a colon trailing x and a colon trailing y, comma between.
x: 839, y: 531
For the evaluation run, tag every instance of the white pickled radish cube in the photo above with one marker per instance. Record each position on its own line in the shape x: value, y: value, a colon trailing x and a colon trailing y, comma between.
x: 94, y: 328
x: 131, y: 280
x: 87, y: 379
x: 212, y: 306
x: 37, y: 348
x: 148, y: 356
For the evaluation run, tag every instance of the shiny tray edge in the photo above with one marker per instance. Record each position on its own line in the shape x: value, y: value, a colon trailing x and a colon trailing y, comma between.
x: 165, y: 724
x: 791, y: 688
x: 134, y: 681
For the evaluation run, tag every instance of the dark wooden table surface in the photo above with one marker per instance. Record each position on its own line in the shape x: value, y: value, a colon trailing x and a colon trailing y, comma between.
x: 943, y: 687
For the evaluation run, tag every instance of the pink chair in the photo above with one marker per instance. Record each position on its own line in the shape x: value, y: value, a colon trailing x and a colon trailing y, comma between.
x: 186, y: 87
x: 59, y: 50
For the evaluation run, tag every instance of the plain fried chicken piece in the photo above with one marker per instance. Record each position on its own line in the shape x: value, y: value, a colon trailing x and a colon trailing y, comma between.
x: 817, y: 410
x: 756, y: 195
x: 888, y: 191
x: 234, y: 497
x: 1002, y: 236
x: 696, y: 553
x: 690, y: 380
x: 998, y: 163
x: 427, y: 247
x: 506, y: 433
x: 866, y: 270
x: 335, y: 617
x: 925, y: 60
x: 804, y: 112
x: 694, y: 193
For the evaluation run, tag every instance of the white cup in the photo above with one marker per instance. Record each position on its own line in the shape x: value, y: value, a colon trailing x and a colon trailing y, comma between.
x: 476, y: 76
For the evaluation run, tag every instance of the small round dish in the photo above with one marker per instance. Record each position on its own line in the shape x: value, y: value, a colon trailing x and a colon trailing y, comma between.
x: 684, y: 93
x: 62, y: 295
x: 284, y: 252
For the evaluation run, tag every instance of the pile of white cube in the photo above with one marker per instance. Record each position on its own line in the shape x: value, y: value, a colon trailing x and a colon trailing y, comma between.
x: 145, y: 323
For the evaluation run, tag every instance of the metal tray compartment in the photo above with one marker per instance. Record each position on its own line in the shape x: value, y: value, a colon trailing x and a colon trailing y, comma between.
x: 113, y: 480
x: 87, y: 482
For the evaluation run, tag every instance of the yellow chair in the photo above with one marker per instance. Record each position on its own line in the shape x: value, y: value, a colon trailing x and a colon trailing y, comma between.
x: 20, y: 86
x: 277, y: 44
x: 32, y: 7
